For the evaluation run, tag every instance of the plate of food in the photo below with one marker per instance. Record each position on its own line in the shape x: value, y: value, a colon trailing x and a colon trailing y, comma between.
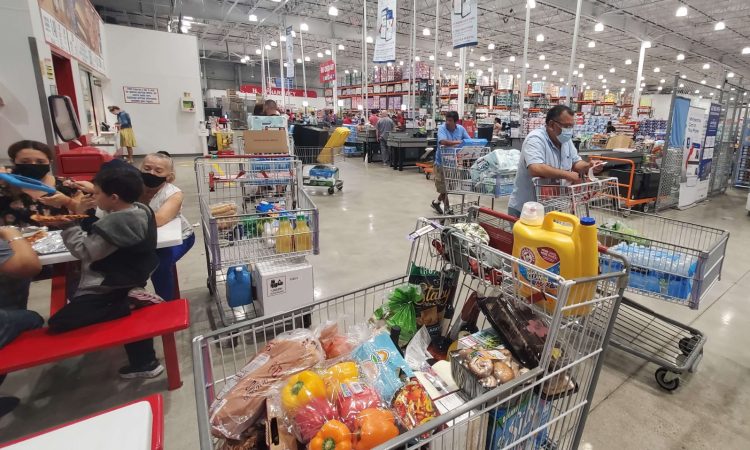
x: 42, y: 219
x: 33, y: 234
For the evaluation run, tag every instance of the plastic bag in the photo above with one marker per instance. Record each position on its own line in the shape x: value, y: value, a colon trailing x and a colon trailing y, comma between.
x: 354, y: 397
x: 242, y: 400
x: 400, y: 310
x: 494, y: 163
x: 413, y: 405
x: 523, y: 331
x: 337, y: 344
x: 381, y: 365
x: 310, y: 418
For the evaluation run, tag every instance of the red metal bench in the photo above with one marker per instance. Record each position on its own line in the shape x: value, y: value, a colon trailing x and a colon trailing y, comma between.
x: 37, y: 347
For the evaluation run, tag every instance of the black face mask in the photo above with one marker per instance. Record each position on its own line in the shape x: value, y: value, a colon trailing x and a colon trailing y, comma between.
x: 35, y: 171
x: 151, y: 180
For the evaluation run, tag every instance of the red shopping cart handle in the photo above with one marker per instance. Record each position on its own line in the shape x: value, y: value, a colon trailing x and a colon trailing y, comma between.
x: 512, y: 219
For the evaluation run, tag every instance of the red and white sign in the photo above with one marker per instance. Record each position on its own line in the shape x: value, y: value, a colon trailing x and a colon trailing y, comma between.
x: 258, y: 89
x: 327, y: 71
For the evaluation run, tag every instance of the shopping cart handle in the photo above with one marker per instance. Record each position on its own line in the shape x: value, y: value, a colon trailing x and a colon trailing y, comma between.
x: 23, y: 182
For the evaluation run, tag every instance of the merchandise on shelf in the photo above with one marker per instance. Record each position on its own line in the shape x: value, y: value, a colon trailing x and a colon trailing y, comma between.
x: 652, y: 128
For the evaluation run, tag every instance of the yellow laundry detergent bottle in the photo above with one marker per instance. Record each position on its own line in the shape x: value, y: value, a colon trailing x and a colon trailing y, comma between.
x: 561, y: 244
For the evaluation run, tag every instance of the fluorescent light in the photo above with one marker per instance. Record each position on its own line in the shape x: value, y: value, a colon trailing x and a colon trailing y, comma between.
x: 604, y: 80
x: 482, y: 58
x: 513, y: 58
x: 546, y: 67
x: 471, y: 64
x: 604, y: 86
x: 320, y: 55
x: 581, y: 65
x: 333, y: 11
x: 303, y: 27
x: 518, y: 75
x: 681, y: 11
x: 746, y: 51
x: 719, y: 26
x: 328, y: 52
x: 600, y: 76
x: 531, y: 4
x: 355, y: 71
x: 697, y: 91
x: 416, y: 58
x: 440, y: 68
x: 623, y: 81
x: 535, y: 75
x: 184, y: 29
x: 544, y: 78
x: 400, y: 63
x: 554, y: 73
x: 711, y: 94
x: 628, y: 62
x: 479, y: 72
x: 274, y: 44
x: 680, y: 57
x: 389, y: 64
x: 646, y: 44
x: 640, y: 89
x: 657, y: 70
x: 449, y: 54
x: 659, y: 88
x: 611, y: 70
x: 718, y: 86
x: 683, y: 76
x: 540, y: 37
x: 491, y: 46
x: 580, y: 75
x: 703, y: 81
x: 252, y: 18
x: 592, y: 44
x: 456, y: 64
x: 341, y: 47
x: 432, y: 57
x: 305, y: 103
x: 730, y: 75
x: 643, y: 84
x: 682, y: 85
x: 282, y: 38
x: 662, y: 81
x: 276, y: 1
x: 562, y: 80
x: 527, y: 65
x: 307, y: 59
x: 599, y: 27
x: 299, y: 60
x: 268, y: 47
x: 490, y: 70
x: 426, y: 32
x: 369, y: 40
x: 505, y: 70
x: 575, y: 72
x: 258, y: 51
x: 542, y: 57
x: 706, y: 66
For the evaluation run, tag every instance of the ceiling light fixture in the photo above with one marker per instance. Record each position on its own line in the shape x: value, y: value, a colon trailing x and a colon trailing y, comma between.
x: 328, y: 52
x: 719, y: 26
x: 546, y: 67
x: 662, y: 81
x: 703, y: 81
x: 575, y: 72
x: 426, y: 32
x: 341, y: 47
x: 268, y: 47
x: 643, y: 84
x: 683, y: 76
x: 599, y: 27
x: 400, y: 63
x: 389, y: 64
x: 299, y: 60
x: 252, y: 18
x: 491, y: 46
x: 592, y: 44
x: 282, y: 38
x: 718, y: 86
x: 611, y: 70
x: 540, y: 37
x: 600, y: 76
x: 505, y: 70
x: 581, y: 65
x: 554, y: 72
x: 303, y: 27
x: 681, y: 11
x: 646, y: 44
x: 680, y: 57
x: 320, y: 55
x: 258, y: 51
x: 449, y: 54
x: 730, y: 75
x: 657, y: 70
x: 512, y: 58
x: 562, y: 80
x: 628, y: 62
x: 623, y: 81
x: 531, y: 4
x: 471, y: 64
x: 307, y: 59
x: 542, y: 57
x: 544, y: 78
x: 482, y: 58
x: 697, y: 91
x: 369, y: 40
x: 706, y: 66
x: 535, y: 75
x: 746, y: 51
x: 527, y: 65
x: 682, y: 85
x: 432, y: 57
x: 274, y: 44
x: 659, y: 88
x: 333, y: 11
x: 346, y: 71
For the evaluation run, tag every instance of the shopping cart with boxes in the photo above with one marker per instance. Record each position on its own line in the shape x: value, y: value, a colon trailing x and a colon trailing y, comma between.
x: 254, y: 217
x: 473, y: 170
x: 671, y: 260
x: 542, y: 405
x: 319, y: 169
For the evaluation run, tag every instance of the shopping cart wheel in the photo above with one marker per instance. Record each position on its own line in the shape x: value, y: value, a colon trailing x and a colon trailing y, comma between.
x: 331, y: 190
x: 669, y: 381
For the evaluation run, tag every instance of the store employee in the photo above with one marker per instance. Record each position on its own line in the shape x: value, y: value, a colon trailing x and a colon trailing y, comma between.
x: 547, y: 152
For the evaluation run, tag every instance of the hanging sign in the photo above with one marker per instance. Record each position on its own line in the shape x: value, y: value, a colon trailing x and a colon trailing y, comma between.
x: 134, y: 94
x: 709, y: 142
x: 385, y: 40
x: 464, y: 23
x: 691, y: 156
x: 327, y: 71
x: 257, y: 89
x: 289, y: 52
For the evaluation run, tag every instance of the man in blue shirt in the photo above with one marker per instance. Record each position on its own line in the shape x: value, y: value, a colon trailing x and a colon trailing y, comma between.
x: 450, y: 134
x: 547, y: 153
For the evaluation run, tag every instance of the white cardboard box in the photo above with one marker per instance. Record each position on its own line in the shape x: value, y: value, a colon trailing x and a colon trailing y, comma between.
x: 282, y: 286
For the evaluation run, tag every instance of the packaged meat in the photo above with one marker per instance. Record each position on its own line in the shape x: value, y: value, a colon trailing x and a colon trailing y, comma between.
x: 242, y: 400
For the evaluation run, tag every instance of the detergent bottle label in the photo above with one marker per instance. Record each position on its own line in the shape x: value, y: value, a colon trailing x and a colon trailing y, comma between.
x: 545, y: 258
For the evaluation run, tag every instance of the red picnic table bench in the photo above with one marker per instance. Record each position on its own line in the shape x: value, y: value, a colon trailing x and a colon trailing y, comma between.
x: 37, y: 347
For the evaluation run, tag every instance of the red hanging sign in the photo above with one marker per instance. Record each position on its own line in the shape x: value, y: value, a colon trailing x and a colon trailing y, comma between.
x: 327, y: 71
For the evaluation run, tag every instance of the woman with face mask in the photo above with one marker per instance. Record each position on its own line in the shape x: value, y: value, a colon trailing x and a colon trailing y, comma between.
x: 165, y: 199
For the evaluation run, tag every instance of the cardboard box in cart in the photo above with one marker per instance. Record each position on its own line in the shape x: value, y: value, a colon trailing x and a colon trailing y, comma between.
x: 265, y: 141
x: 284, y: 285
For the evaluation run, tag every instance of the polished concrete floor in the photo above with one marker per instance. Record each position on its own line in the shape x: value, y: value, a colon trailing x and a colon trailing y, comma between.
x: 363, y: 240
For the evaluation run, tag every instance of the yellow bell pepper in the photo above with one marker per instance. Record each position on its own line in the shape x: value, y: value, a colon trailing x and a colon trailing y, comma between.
x: 340, y: 373
x: 300, y: 389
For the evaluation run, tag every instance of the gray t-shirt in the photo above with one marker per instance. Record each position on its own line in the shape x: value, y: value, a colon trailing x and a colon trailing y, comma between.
x: 384, y: 127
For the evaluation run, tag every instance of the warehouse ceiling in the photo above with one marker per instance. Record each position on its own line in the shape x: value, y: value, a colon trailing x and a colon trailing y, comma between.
x: 693, y: 45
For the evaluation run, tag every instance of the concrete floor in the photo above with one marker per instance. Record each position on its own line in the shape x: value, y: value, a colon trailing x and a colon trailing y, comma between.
x: 363, y: 240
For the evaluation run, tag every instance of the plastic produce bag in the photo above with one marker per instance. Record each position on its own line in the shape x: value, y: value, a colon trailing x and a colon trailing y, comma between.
x: 242, y: 401
x: 337, y: 344
x: 494, y: 163
x: 382, y: 366
x: 354, y: 397
x: 400, y: 310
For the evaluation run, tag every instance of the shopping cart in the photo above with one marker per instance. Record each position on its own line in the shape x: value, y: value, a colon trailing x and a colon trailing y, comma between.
x: 319, y: 168
x: 670, y: 260
x: 241, y: 200
x: 463, y: 174
x: 519, y: 414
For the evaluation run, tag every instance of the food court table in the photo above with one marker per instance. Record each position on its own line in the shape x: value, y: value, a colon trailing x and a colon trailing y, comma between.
x: 137, y: 425
x: 168, y: 235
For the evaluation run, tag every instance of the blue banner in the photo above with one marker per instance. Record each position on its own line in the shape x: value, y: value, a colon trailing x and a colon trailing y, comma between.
x: 680, y: 110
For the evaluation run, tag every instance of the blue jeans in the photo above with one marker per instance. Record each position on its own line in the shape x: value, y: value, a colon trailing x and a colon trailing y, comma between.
x: 163, y: 276
x: 514, y: 212
x: 15, y: 322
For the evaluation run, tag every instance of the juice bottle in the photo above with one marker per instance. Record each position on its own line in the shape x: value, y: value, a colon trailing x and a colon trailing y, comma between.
x: 560, y: 244
x: 302, y: 235
x: 284, y: 237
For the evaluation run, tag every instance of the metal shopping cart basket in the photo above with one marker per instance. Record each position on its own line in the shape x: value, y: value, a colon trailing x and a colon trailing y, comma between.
x: 522, y: 413
x: 465, y: 172
x: 671, y: 260
x: 319, y: 168
x: 241, y: 200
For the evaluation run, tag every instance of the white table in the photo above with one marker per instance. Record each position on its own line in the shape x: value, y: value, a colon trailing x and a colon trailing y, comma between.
x: 127, y: 428
x: 168, y: 235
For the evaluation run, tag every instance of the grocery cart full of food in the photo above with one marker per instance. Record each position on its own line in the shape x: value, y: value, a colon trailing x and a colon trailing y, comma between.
x: 671, y: 260
x: 257, y: 222
x: 451, y: 354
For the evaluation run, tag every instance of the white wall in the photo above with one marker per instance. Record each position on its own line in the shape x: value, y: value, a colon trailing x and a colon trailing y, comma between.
x: 293, y: 103
x: 168, y: 62
x: 663, y: 102
x: 21, y: 117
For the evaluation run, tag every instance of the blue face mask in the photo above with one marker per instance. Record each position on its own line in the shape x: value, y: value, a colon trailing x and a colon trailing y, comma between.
x: 565, y: 135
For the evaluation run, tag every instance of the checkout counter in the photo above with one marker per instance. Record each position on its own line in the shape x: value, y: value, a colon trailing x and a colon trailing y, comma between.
x: 408, y: 150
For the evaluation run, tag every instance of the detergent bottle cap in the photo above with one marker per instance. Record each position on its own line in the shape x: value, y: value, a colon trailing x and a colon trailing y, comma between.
x: 588, y: 221
x: 532, y: 213
x: 238, y: 269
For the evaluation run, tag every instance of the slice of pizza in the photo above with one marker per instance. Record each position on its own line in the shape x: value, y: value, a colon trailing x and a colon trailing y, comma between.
x: 39, y: 218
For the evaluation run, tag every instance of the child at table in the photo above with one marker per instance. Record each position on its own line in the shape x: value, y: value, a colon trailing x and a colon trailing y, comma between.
x: 165, y: 199
x: 117, y: 253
